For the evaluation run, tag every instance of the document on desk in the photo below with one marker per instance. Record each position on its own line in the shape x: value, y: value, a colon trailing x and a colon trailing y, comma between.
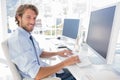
x: 102, y: 75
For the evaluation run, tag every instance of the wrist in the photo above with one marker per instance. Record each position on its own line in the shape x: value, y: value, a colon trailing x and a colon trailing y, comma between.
x: 56, y: 53
x: 64, y: 63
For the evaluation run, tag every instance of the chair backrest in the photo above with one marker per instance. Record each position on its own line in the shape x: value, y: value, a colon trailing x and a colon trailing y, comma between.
x: 14, y: 71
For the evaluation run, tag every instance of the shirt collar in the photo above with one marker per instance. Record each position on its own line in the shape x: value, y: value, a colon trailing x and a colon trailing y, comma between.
x: 24, y: 32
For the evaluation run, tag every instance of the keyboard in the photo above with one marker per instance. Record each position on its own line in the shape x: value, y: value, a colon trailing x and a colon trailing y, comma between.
x: 87, y: 61
x: 84, y: 62
x: 62, y: 47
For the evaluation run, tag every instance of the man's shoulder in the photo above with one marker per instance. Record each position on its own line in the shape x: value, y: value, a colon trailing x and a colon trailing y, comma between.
x: 15, y: 36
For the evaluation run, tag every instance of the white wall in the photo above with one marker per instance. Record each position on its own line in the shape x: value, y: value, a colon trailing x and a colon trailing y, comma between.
x: 3, y: 20
x: 3, y: 25
x: 0, y: 22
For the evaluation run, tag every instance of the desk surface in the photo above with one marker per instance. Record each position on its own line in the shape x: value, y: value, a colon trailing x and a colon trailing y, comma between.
x: 76, y: 71
x: 80, y: 72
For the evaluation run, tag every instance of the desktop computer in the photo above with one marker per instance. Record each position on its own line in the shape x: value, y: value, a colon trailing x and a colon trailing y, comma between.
x: 69, y: 33
x: 101, y: 42
x: 102, y: 32
x: 71, y: 28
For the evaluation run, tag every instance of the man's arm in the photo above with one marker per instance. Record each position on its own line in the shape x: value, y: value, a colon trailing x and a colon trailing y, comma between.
x: 47, y: 71
x: 46, y: 54
x: 63, y: 53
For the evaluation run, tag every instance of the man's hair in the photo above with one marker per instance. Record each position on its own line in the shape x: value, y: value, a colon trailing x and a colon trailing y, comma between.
x: 22, y: 8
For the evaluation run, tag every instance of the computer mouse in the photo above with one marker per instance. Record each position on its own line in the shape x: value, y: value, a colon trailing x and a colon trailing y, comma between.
x: 58, y: 38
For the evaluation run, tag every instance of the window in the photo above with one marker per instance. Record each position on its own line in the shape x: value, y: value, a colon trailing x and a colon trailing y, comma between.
x: 50, y: 19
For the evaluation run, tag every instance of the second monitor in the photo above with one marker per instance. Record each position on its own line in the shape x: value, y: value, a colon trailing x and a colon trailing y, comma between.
x: 70, y: 28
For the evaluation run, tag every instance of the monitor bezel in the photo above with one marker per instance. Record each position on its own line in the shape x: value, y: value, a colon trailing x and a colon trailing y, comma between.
x: 113, y: 37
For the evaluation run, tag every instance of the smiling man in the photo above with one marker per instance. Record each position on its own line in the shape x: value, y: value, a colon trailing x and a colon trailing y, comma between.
x: 25, y: 52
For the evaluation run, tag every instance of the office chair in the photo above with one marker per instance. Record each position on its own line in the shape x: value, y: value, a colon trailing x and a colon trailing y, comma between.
x: 12, y: 66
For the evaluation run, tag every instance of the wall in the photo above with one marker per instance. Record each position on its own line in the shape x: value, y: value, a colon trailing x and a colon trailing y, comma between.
x: 3, y: 20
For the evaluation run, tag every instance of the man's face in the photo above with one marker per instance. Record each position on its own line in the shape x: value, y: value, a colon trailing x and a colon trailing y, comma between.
x: 27, y: 21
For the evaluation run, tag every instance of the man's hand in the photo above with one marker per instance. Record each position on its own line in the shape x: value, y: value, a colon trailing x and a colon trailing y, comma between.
x: 65, y: 53
x: 71, y: 60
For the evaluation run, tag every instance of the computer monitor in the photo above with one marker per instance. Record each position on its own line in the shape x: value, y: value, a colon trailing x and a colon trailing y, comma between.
x: 70, y: 28
x: 103, y: 29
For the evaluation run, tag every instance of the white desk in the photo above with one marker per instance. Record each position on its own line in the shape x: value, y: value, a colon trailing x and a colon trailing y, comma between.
x: 78, y: 72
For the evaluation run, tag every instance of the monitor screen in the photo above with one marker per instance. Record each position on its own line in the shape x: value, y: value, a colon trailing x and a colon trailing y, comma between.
x: 100, y: 28
x: 101, y: 32
x: 70, y: 28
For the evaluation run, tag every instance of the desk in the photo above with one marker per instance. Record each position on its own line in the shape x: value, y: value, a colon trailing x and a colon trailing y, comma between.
x: 78, y: 72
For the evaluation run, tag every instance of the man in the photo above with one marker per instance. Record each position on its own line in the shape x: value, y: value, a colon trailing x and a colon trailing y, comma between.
x: 25, y: 52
